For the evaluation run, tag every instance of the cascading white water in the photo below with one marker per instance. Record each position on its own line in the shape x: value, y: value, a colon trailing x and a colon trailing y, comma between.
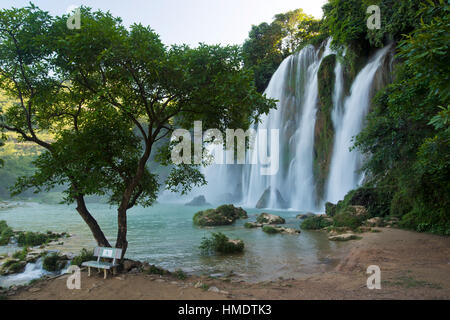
x: 295, y: 86
x: 348, y: 122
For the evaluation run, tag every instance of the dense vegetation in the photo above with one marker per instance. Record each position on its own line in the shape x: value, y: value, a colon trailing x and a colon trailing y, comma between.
x: 110, y: 96
x: 406, y: 139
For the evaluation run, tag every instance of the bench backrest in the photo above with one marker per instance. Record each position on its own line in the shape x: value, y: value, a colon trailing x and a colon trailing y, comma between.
x: 108, y: 253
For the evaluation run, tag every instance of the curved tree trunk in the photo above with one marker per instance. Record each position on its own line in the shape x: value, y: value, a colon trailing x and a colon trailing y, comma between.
x: 92, y: 223
x: 122, y: 242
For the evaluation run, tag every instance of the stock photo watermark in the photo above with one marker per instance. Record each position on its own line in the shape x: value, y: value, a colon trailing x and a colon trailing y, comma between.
x: 374, y: 21
x: 74, y: 20
x: 374, y: 281
x: 259, y: 147
x: 74, y: 280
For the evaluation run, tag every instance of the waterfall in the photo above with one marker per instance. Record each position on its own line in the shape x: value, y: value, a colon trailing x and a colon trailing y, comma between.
x: 295, y: 86
x: 345, y: 164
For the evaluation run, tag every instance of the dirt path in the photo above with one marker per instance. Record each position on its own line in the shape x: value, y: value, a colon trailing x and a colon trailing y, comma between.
x: 413, y: 266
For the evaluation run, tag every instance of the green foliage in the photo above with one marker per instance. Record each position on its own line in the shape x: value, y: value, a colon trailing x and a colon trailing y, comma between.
x: 21, y: 255
x: 324, y: 130
x: 53, y: 262
x: 346, y: 21
x: 222, y: 216
x: 407, y: 134
x: 315, y: 223
x: 110, y: 96
x: 33, y: 239
x: 377, y: 200
x: 270, y: 230
x: 348, y: 218
x: 180, y: 274
x: 84, y: 256
x: 156, y: 270
x: 249, y: 225
x: 15, y: 267
x: 220, y: 243
x: 5, y: 233
x: 268, y: 44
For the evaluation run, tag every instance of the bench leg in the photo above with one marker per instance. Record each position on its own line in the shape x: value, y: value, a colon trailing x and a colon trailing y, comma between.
x: 89, y: 271
x: 105, y: 273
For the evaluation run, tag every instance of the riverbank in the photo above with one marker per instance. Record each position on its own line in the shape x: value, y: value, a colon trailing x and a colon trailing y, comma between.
x: 413, y: 266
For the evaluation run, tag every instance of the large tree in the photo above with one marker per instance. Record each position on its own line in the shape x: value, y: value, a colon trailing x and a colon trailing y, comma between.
x: 268, y: 44
x: 109, y: 95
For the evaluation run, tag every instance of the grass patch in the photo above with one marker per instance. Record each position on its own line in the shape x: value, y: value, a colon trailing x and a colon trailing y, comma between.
x: 180, y: 274
x: 84, y: 256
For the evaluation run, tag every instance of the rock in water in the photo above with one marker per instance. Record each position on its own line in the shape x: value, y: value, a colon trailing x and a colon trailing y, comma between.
x: 222, y: 216
x: 199, y: 201
x: 264, y: 201
x: 267, y: 218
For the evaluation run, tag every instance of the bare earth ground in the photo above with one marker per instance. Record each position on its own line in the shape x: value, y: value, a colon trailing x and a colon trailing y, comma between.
x: 413, y: 266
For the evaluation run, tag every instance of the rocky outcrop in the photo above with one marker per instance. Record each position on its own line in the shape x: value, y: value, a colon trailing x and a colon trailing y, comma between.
x: 264, y: 201
x: 324, y: 129
x: 199, y: 201
x: 344, y: 237
x: 277, y: 229
x: 305, y: 216
x: 267, y: 218
x: 222, y: 216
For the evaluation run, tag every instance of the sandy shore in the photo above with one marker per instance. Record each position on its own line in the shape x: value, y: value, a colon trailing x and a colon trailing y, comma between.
x: 413, y: 266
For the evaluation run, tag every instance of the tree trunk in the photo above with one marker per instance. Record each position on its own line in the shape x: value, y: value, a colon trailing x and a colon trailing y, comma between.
x: 92, y: 223
x: 122, y: 242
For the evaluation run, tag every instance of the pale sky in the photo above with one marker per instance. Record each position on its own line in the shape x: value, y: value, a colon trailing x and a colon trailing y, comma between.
x: 187, y: 21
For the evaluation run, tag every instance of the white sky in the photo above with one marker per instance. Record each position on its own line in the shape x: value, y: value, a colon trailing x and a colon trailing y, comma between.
x: 187, y: 21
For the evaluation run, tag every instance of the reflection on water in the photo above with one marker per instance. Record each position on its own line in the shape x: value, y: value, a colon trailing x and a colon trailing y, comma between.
x: 164, y: 235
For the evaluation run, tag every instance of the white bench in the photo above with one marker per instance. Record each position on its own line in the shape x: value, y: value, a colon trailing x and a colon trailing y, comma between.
x: 104, y: 253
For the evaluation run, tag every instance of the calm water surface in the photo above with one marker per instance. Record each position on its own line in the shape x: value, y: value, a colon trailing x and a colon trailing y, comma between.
x: 165, y: 235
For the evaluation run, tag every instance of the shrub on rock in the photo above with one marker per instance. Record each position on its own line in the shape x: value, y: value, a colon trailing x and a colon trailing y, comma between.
x: 220, y: 243
x: 267, y: 218
x: 316, y: 223
x: 222, y: 216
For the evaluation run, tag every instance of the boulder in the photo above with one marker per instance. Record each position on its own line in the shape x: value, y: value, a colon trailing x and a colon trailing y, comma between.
x: 199, y: 201
x: 304, y: 216
x: 264, y: 201
x: 12, y: 266
x: 343, y: 237
x: 129, y: 265
x: 267, y: 218
x: 277, y: 229
x: 222, y: 216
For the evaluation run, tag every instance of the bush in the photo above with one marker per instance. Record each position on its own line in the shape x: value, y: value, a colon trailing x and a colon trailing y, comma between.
x: 315, y: 223
x: 156, y: 270
x: 222, y: 216
x: 5, y: 233
x: 21, y: 255
x: 16, y: 267
x: 270, y: 230
x: 250, y: 225
x: 84, y: 256
x: 53, y: 263
x: 180, y: 275
x: 220, y: 243
x: 347, y: 218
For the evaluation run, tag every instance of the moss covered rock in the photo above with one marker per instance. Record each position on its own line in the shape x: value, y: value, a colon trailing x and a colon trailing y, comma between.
x: 277, y: 229
x: 267, y: 218
x: 324, y: 129
x: 222, y: 216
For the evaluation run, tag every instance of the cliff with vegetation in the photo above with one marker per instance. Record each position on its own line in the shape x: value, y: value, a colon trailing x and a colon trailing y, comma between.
x: 406, y: 136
